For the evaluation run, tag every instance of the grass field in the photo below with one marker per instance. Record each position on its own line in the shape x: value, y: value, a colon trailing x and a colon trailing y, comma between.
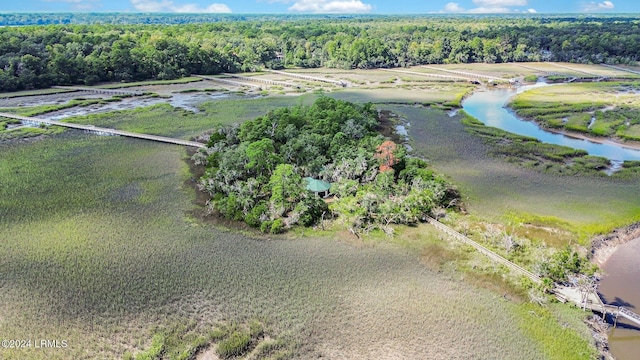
x: 105, y: 248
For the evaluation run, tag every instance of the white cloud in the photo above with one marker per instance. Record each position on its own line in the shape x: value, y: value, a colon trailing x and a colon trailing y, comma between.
x: 603, y: 6
x: 487, y: 6
x: 453, y: 8
x: 490, y: 10
x: 80, y: 4
x: 151, y: 6
x: 531, y: 11
x: 192, y: 8
x: 329, y: 6
x: 169, y: 6
x: 499, y: 3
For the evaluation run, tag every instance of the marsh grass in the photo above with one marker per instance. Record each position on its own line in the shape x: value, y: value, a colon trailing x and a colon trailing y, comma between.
x: 33, y: 93
x: 122, y: 85
x: 572, y: 106
x: 43, y: 109
x: 498, y: 190
x: 102, y: 250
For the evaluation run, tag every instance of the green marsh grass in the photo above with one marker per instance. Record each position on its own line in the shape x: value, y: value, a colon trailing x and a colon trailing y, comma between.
x: 496, y: 189
x: 572, y: 106
x: 185, y: 80
x: 100, y: 247
x: 43, y: 109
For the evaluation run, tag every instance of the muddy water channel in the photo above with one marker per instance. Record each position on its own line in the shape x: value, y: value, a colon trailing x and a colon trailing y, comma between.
x: 187, y: 101
x: 621, y: 286
x: 488, y: 106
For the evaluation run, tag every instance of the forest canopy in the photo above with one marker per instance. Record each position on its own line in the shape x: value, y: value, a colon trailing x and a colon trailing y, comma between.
x: 258, y: 172
x: 175, y: 46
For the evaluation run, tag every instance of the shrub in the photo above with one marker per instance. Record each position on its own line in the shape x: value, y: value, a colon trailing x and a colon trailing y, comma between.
x: 265, y: 226
x: 277, y: 226
x: 254, y: 215
x: 235, y: 345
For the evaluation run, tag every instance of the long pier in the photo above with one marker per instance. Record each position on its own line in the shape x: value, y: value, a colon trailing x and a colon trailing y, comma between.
x: 307, y: 77
x: 438, y: 76
x: 591, y: 300
x: 260, y: 80
x: 621, y: 69
x: 599, y: 77
x: 483, y: 250
x: 228, y: 82
x: 105, y: 131
x: 544, y: 72
x: 101, y: 91
x: 470, y: 75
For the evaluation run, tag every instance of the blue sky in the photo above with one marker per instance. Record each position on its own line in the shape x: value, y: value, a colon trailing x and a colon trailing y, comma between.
x: 324, y: 6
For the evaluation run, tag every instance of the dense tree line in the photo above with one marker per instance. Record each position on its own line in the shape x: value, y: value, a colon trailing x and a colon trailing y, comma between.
x: 40, y: 56
x: 256, y: 171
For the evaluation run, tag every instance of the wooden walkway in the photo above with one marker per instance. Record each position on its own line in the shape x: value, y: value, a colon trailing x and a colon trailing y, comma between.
x: 621, y: 69
x: 263, y: 81
x: 591, y: 301
x: 591, y: 75
x: 483, y: 250
x: 228, y: 82
x: 437, y: 76
x: 101, y: 91
x: 470, y: 75
x: 543, y: 72
x: 104, y: 131
x: 307, y: 77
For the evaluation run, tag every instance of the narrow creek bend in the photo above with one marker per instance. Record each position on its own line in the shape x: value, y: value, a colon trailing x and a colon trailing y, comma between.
x: 488, y: 106
x: 620, y: 286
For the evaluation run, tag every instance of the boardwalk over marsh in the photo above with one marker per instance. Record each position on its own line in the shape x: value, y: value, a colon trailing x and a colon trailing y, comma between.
x: 591, y: 300
x: 106, y: 131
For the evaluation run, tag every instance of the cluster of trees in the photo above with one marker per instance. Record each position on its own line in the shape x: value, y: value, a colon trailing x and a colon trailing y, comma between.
x: 40, y: 56
x: 256, y: 171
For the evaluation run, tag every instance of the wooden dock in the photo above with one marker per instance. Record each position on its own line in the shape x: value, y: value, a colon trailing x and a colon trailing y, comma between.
x: 542, y: 72
x: 104, y: 131
x: 591, y: 75
x: 590, y: 300
x: 471, y: 75
x: 483, y: 250
x: 102, y: 91
x: 621, y: 69
x: 311, y: 78
x: 229, y: 82
x: 263, y: 81
x: 437, y: 76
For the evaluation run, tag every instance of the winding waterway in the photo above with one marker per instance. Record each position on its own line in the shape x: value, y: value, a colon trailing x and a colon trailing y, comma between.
x: 621, y: 286
x: 488, y: 106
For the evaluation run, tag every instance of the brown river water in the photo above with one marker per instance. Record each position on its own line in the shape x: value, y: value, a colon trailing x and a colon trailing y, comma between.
x: 621, y: 286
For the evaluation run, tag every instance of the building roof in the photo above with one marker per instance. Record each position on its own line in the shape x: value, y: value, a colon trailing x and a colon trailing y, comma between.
x: 316, y: 185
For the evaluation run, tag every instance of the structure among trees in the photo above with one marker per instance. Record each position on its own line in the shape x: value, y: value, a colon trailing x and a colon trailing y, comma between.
x: 317, y: 186
x: 265, y: 172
